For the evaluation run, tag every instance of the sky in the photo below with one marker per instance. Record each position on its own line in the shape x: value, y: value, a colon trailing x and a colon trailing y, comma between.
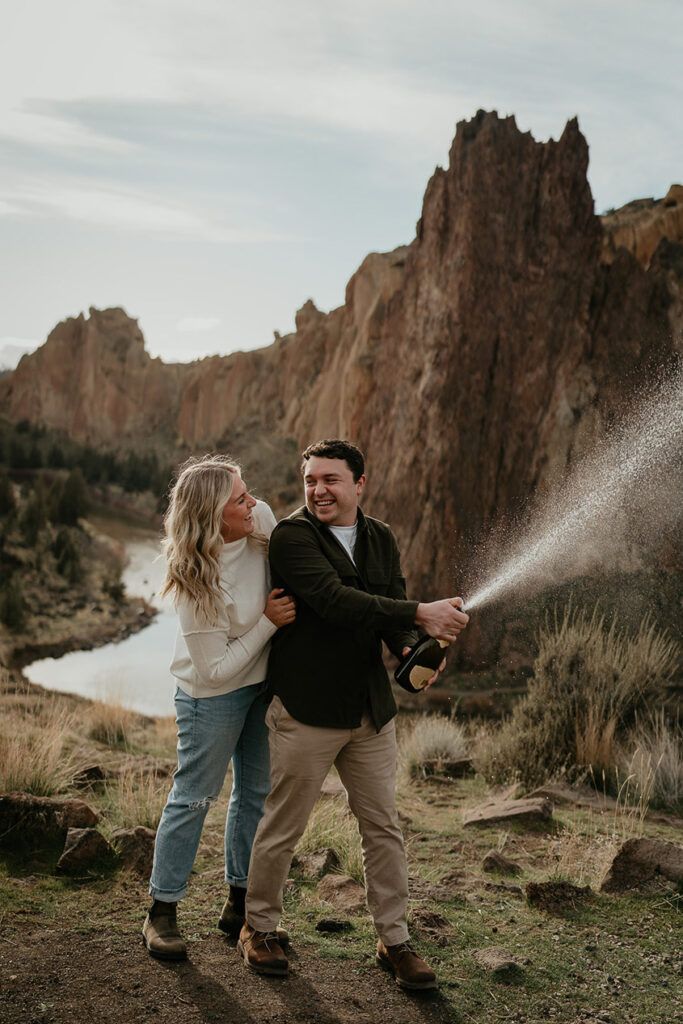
x: 211, y: 165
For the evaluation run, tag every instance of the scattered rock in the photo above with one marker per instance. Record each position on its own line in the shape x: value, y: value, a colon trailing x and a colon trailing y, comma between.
x: 510, y: 888
x: 39, y: 821
x: 333, y: 924
x: 91, y: 775
x: 342, y: 892
x: 135, y: 848
x: 430, y: 924
x: 526, y: 812
x: 641, y: 860
x: 557, y: 897
x: 495, y: 861
x: 561, y: 794
x: 495, y: 958
x: 83, y: 846
x: 316, y: 864
x: 451, y: 769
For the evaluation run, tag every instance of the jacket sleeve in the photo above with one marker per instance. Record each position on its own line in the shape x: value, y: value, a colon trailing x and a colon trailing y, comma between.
x: 396, y: 638
x: 297, y: 558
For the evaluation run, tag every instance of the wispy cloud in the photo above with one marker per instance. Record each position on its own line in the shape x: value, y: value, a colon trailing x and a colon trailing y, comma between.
x: 115, y: 207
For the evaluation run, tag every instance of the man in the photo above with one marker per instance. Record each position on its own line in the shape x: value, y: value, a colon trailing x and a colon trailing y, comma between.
x: 332, y: 702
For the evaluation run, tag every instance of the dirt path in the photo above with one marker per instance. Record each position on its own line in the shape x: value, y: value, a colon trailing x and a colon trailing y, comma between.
x: 56, y: 975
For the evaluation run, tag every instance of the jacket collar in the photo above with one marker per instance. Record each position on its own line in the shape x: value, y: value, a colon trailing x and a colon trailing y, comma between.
x: 303, y: 513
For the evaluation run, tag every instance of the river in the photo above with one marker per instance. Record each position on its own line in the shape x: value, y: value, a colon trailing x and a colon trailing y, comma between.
x: 135, y: 671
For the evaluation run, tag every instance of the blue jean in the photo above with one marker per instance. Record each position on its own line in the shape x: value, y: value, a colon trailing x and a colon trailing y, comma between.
x: 211, y: 732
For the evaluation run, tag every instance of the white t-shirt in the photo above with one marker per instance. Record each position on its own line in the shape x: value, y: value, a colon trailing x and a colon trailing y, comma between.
x: 346, y: 535
x: 214, y: 659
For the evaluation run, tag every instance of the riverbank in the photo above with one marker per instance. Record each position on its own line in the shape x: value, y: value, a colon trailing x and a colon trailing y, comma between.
x: 63, y: 614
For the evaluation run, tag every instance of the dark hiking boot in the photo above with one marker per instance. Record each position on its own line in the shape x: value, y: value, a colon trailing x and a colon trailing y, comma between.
x: 231, y: 922
x: 262, y: 952
x: 409, y: 970
x: 160, y: 932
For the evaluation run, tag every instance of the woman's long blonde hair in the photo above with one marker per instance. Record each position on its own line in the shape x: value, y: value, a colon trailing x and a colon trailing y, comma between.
x: 192, y: 525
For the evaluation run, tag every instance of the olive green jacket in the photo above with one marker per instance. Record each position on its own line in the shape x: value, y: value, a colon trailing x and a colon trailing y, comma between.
x: 326, y: 667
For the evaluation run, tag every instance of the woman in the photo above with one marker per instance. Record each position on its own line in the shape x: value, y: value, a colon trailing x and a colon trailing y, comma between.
x: 217, y: 571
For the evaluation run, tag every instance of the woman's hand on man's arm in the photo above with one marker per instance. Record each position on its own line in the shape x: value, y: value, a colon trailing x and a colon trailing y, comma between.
x: 280, y: 608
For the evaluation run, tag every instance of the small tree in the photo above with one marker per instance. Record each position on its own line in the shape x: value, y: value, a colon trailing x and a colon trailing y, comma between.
x: 8, y: 505
x: 12, y: 605
x: 34, y: 517
x: 67, y: 555
x: 71, y: 501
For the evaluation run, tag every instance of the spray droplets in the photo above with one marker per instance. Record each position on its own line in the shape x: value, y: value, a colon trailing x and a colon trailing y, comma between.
x: 613, y: 506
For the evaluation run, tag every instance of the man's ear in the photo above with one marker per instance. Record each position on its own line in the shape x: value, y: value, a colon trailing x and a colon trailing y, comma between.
x: 360, y: 484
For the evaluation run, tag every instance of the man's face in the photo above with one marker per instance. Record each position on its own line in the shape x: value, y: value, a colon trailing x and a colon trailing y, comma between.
x: 332, y: 495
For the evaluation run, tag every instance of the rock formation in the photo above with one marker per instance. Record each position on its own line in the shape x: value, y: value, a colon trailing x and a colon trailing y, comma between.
x: 640, y: 225
x: 472, y: 365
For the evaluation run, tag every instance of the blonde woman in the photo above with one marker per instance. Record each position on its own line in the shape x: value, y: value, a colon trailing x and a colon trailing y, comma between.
x: 217, y: 572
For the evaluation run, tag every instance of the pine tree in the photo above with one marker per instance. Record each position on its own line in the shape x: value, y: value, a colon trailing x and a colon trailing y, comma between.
x: 8, y: 505
x: 73, y: 501
x: 12, y: 606
x: 34, y: 517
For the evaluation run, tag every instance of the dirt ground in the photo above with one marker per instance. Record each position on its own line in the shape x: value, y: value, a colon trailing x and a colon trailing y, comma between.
x: 62, y: 976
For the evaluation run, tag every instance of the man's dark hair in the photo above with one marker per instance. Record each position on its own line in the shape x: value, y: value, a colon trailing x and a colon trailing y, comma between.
x: 336, y: 449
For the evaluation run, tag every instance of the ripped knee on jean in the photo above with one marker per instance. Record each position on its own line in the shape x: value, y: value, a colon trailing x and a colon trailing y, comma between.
x: 203, y: 804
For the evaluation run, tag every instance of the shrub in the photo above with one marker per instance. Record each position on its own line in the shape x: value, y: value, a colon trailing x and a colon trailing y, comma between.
x: 589, y: 682
x: 655, y: 764
x: 33, y: 754
x: 432, y: 739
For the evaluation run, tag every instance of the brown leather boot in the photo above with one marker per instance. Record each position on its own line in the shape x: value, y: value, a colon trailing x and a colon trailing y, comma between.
x: 231, y: 922
x: 160, y: 932
x: 409, y: 970
x: 262, y: 952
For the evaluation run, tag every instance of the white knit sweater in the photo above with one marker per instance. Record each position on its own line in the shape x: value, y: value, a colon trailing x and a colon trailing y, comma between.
x: 214, y: 659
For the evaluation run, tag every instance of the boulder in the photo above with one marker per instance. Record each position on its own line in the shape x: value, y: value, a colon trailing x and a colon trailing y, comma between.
x: 135, y: 848
x: 316, y: 864
x: 641, y: 860
x: 83, y: 847
x: 495, y: 959
x: 525, y: 812
x: 494, y: 861
x: 343, y: 893
x: 33, y: 822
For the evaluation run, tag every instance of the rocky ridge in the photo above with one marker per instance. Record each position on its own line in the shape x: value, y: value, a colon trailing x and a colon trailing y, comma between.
x: 472, y: 365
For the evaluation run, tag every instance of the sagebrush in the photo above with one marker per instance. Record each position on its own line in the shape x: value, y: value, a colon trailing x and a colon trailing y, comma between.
x: 590, y: 682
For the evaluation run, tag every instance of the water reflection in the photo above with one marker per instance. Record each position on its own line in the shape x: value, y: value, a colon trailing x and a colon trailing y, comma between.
x: 135, y: 671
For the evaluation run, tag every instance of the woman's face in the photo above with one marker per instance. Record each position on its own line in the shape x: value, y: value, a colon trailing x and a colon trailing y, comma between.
x: 237, y: 520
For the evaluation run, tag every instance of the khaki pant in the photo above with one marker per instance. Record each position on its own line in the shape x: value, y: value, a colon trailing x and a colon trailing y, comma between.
x: 301, y: 756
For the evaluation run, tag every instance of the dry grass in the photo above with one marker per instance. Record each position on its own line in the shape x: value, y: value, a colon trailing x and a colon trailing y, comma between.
x: 110, y: 722
x: 433, y: 738
x: 332, y: 825
x: 136, y: 797
x: 35, y: 755
x: 585, y: 851
x: 590, y: 682
x: 655, y: 762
